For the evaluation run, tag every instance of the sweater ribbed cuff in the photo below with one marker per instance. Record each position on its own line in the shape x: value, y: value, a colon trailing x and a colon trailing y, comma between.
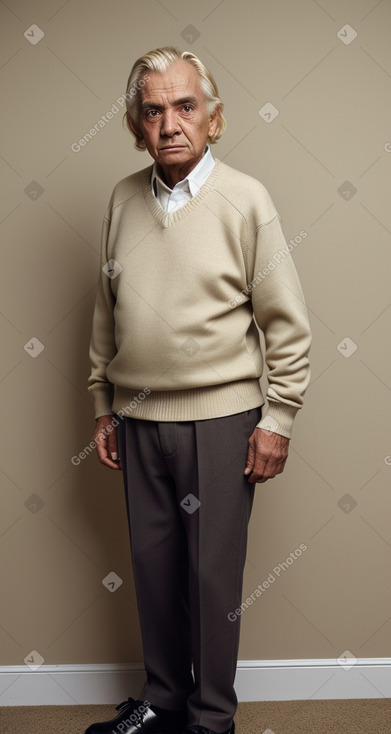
x: 278, y: 418
x: 102, y: 393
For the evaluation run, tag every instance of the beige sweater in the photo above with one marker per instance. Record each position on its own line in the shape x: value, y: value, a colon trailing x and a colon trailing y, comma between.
x: 174, y: 336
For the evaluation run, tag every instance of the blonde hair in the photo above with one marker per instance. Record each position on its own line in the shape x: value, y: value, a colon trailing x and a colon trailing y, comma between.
x: 160, y: 60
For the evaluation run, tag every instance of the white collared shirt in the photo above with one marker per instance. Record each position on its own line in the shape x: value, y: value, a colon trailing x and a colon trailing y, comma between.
x: 183, y: 191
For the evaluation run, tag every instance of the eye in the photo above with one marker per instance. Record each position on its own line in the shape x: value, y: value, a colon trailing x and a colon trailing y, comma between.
x: 152, y: 113
x: 187, y: 108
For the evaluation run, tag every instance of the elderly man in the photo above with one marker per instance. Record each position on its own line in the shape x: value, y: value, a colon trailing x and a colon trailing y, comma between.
x: 193, y: 261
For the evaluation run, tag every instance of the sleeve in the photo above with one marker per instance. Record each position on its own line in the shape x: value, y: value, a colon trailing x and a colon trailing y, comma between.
x: 280, y: 312
x: 102, y: 344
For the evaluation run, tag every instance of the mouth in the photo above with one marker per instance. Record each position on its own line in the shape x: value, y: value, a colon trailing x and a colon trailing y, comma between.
x: 173, y: 147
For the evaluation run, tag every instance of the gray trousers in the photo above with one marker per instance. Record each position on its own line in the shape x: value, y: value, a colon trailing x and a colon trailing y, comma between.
x: 188, y: 506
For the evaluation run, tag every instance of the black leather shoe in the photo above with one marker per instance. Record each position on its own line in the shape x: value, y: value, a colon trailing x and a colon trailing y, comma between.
x: 140, y: 717
x: 197, y: 729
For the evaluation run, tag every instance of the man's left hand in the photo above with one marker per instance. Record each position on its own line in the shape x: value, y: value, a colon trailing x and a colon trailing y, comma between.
x: 267, y: 454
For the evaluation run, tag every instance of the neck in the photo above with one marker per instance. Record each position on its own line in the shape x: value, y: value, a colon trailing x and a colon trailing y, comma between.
x: 171, y: 175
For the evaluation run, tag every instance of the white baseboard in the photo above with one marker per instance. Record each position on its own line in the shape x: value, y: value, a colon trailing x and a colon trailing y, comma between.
x: 256, y: 680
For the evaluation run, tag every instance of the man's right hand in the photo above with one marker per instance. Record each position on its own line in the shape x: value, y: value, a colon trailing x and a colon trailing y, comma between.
x: 105, y: 437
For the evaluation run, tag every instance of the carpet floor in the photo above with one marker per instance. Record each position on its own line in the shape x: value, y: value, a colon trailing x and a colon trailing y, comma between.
x: 352, y: 716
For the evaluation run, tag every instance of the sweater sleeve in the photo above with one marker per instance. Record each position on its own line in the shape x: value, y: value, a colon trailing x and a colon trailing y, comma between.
x: 280, y: 312
x: 102, y: 344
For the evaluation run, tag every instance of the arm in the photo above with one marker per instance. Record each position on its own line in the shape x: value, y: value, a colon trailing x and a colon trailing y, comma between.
x: 280, y: 312
x: 102, y: 351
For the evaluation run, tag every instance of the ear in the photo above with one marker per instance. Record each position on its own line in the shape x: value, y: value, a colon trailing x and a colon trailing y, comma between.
x: 215, y: 122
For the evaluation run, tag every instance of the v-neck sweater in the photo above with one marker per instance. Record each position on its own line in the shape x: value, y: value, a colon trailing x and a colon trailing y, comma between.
x: 181, y: 297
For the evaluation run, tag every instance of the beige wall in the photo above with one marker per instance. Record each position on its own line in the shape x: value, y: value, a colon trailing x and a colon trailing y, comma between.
x: 63, y: 527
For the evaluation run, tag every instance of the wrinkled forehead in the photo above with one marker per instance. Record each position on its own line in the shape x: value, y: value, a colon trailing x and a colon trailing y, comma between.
x: 179, y: 81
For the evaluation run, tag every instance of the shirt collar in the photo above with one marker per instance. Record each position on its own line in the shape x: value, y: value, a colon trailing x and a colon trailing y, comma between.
x: 193, y: 181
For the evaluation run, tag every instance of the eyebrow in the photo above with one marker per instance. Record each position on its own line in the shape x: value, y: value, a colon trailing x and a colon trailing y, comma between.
x: 183, y: 100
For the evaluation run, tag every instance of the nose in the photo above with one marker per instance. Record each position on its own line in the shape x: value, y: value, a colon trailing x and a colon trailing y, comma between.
x: 170, y: 124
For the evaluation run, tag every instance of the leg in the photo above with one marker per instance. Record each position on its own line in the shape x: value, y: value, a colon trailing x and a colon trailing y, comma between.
x: 159, y: 556
x: 208, y: 463
x: 217, y: 570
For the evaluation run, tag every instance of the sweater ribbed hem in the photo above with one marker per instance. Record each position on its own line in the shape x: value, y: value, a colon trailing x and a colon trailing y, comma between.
x: 203, y: 403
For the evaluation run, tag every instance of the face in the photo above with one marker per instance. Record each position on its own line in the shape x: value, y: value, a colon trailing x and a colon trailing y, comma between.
x: 174, y: 121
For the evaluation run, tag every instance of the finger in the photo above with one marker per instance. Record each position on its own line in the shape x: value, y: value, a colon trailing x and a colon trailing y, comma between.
x: 270, y: 470
x: 112, y: 447
x: 113, y: 455
x: 104, y: 456
x: 111, y: 464
x: 250, y: 457
x: 256, y: 477
x: 264, y: 469
x: 258, y: 469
